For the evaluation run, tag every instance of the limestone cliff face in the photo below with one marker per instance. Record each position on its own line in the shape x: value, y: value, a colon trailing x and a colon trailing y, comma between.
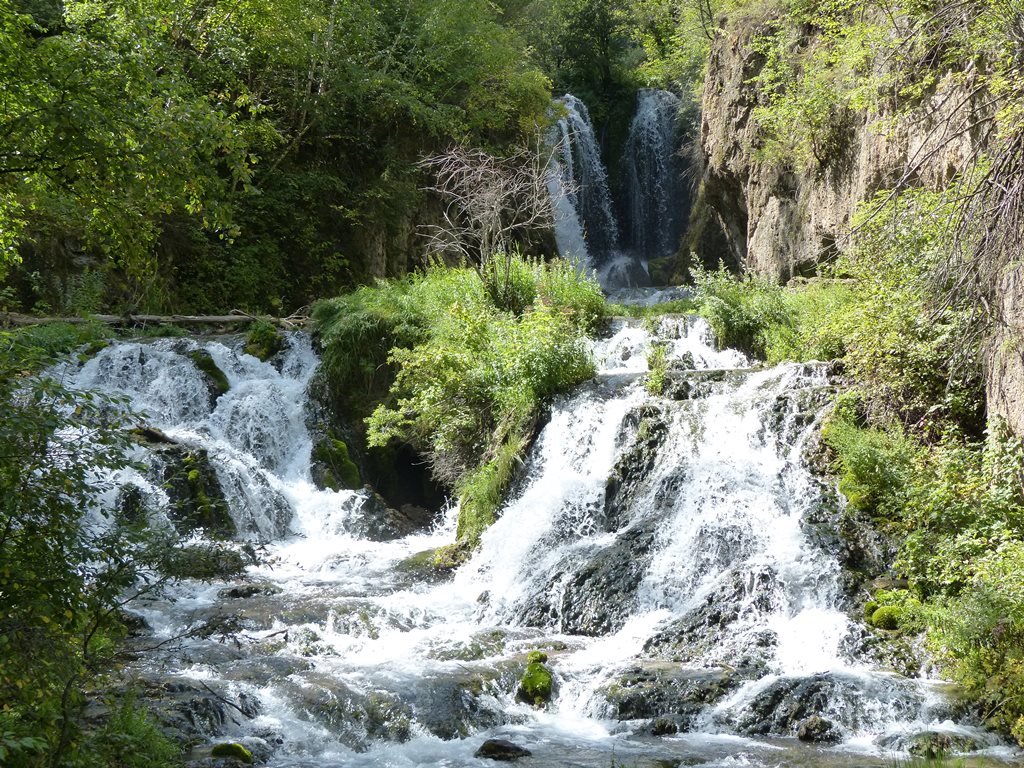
x: 784, y: 221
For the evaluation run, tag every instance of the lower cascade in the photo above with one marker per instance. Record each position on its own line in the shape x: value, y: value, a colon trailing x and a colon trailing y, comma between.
x: 665, y: 585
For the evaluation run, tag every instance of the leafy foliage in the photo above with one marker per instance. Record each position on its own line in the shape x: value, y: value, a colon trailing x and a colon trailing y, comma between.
x: 65, y: 571
x: 466, y: 364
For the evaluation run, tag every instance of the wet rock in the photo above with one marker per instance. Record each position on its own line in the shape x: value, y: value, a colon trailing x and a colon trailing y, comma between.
x: 356, y: 719
x: 188, y: 710
x: 197, y: 500
x: 537, y: 683
x: 482, y: 645
x: 501, y: 749
x: 848, y: 701
x: 455, y: 705
x: 631, y: 471
x: 425, y: 567
x: 701, y: 636
x: 818, y: 729
x: 244, y: 591
x: 599, y: 596
x: 667, y: 693
x: 376, y: 521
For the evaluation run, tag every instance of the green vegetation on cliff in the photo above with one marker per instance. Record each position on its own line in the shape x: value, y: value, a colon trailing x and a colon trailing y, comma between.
x: 458, y: 363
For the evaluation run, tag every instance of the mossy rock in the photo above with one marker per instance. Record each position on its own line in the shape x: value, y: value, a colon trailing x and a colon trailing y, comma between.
x: 424, y: 566
x: 197, y: 498
x: 233, y: 750
x: 203, y: 561
x: 887, y: 617
x: 332, y: 465
x: 263, y: 340
x: 451, y: 556
x: 933, y: 745
x: 216, y: 379
x: 537, y: 683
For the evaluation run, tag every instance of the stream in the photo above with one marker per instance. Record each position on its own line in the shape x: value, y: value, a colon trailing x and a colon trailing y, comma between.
x: 674, y: 556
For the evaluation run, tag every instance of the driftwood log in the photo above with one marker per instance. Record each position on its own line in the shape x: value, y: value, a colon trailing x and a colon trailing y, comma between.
x: 297, y: 320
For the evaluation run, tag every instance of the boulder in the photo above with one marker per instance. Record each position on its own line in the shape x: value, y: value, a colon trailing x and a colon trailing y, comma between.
x: 669, y: 694
x: 501, y: 749
x: 818, y: 729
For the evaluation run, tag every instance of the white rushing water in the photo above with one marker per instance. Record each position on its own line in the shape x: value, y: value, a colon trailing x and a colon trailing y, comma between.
x: 653, y: 545
x: 656, y: 200
x: 656, y: 195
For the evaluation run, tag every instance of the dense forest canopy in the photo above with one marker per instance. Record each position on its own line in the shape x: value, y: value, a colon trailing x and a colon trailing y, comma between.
x: 255, y: 155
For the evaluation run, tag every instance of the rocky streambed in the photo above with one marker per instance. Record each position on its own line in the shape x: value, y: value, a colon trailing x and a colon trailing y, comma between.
x: 669, y: 583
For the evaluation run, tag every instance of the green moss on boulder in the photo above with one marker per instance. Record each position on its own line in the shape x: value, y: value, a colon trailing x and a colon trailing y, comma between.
x: 333, y: 467
x: 216, y: 379
x: 263, y: 340
x: 232, y: 750
x: 887, y: 617
x: 537, y: 683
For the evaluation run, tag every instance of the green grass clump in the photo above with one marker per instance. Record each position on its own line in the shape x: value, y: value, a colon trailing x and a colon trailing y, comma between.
x: 657, y: 368
x: 459, y: 363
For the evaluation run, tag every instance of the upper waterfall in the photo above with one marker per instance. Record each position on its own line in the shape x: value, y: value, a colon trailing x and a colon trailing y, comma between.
x: 658, y: 201
x: 579, y: 178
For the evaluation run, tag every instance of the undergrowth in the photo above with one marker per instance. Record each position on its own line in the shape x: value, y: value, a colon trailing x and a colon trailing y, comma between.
x: 459, y: 363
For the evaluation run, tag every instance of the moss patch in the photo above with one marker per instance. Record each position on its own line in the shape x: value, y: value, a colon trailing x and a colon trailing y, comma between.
x: 263, y: 340
x: 536, y: 685
x: 887, y: 617
x: 215, y: 377
x: 334, y: 466
x: 232, y: 750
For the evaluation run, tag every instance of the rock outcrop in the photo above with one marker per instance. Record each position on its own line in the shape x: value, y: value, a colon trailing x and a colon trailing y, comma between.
x: 781, y: 220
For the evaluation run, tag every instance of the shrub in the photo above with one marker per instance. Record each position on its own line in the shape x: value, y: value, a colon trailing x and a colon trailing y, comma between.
x: 468, y: 365
x: 740, y: 311
x: 874, y: 465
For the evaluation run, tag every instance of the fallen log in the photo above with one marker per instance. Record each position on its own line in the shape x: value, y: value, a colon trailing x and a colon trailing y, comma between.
x: 15, y: 319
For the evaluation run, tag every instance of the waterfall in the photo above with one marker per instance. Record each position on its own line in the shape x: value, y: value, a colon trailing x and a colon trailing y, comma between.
x: 658, y: 204
x: 582, y: 185
x: 657, y: 201
x: 670, y: 553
